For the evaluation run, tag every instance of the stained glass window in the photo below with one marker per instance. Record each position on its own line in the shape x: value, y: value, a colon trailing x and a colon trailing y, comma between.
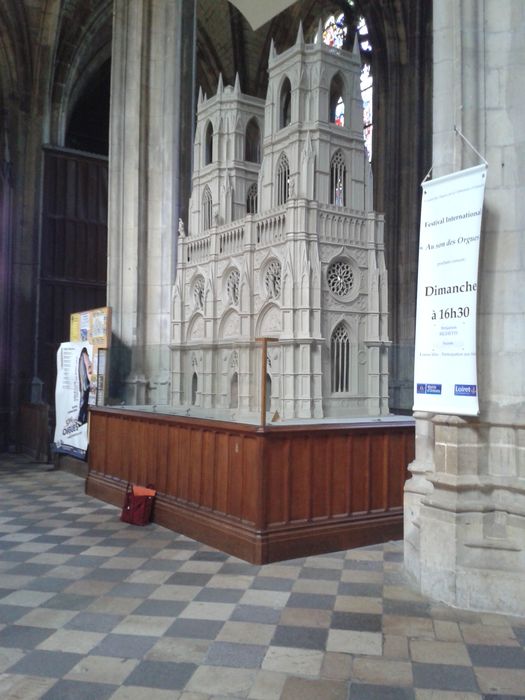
x: 340, y: 112
x: 337, y: 104
x: 366, y: 86
x: 334, y: 34
x: 335, y: 30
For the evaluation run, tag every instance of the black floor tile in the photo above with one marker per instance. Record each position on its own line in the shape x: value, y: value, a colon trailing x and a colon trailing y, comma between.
x: 497, y: 656
x: 300, y: 637
x: 161, y: 674
x: 444, y: 677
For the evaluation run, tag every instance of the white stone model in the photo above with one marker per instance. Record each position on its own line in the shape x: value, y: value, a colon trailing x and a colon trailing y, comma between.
x: 282, y: 243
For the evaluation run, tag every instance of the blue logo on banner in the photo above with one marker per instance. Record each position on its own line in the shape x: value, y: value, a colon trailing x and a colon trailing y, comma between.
x: 428, y: 389
x: 465, y: 390
x: 433, y: 388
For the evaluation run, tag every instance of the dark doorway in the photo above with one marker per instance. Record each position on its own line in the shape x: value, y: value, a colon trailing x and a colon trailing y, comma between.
x: 88, y: 126
x: 74, y: 250
x: 73, y: 270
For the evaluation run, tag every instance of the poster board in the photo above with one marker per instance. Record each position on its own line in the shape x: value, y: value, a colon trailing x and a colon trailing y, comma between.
x: 94, y: 326
x: 445, y: 364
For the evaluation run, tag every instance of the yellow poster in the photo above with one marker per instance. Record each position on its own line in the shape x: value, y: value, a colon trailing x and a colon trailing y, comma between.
x: 93, y: 327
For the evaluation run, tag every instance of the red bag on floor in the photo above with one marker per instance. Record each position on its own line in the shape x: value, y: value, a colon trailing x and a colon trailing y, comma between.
x: 138, y: 503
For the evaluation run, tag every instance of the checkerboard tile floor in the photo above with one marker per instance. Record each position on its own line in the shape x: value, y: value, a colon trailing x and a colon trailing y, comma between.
x: 92, y: 608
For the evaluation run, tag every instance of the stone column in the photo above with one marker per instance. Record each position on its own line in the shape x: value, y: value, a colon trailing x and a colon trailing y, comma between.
x: 471, y: 523
x: 148, y: 127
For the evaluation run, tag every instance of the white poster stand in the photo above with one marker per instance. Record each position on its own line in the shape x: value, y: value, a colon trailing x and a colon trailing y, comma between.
x: 75, y: 391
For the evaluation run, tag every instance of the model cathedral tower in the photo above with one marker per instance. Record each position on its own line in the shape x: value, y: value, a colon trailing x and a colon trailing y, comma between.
x: 282, y: 243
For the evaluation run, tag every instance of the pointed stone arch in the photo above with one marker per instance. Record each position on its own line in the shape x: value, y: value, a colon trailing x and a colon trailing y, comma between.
x: 252, y: 141
x: 285, y: 103
x: 337, y: 99
x: 196, y: 327
x: 269, y: 321
x: 208, y: 143
x: 230, y: 325
x: 282, y: 179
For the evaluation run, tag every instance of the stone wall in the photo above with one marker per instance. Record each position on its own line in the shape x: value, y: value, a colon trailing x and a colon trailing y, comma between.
x: 465, y: 503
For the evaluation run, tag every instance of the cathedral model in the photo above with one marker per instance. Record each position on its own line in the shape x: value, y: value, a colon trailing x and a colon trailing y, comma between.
x: 282, y: 243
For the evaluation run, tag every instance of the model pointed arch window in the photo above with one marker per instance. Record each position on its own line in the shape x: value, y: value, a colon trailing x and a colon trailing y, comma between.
x: 234, y: 390
x: 207, y: 208
x: 285, y: 104
x: 283, y: 179
x: 251, y: 199
x: 208, y: 145
x: 194, y: 388
x: 340, y: 359
x: 338, y: 179
x: 337, y: 104
x: 252, y: 142
x: 268, y: 393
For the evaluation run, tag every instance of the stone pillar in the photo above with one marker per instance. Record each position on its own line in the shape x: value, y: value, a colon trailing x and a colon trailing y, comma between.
x: 148, y: 126
x: 469, y: 512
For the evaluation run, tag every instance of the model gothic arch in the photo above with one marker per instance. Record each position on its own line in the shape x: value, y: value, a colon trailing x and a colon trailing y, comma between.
x: 340, y: 359
x: 208, y: 144
x: 207, y: 209
x: 285, y: 104
x: 251, y: 199
x: 338, y: 179
x: 282, y: 180
x: 252, y: 142
x: 337, y: 100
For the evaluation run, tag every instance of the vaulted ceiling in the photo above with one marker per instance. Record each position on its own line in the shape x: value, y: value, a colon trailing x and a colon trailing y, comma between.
x: 227, y: 44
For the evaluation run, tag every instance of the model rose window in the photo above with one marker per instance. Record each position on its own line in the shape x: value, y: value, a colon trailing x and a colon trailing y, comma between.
x: 340, y: 278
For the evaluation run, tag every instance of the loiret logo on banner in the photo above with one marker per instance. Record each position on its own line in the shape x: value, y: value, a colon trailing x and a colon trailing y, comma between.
x: 445, y: 370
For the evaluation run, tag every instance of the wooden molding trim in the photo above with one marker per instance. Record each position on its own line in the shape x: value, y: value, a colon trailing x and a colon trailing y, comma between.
x: 244, y: 541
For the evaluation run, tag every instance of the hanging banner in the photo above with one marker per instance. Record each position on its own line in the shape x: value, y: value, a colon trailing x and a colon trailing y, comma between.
x: 445, y: 370
x: 75, y: 391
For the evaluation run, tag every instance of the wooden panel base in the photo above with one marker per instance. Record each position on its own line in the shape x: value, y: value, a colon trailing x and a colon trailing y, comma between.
x: 261, y: 495
x: 258, y: 547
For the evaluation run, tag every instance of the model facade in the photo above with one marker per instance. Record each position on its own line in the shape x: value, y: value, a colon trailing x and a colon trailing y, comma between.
x: 282, y: 243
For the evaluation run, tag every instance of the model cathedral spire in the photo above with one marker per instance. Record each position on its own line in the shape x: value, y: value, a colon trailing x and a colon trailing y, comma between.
x: 282, y: 243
